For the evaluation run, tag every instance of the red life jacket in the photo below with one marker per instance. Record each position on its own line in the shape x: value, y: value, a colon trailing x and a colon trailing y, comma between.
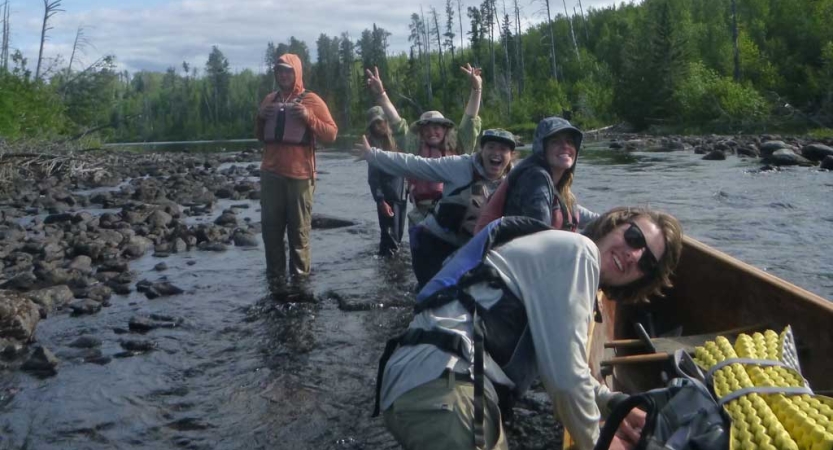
x: 286, y: 128
x: 422, y: 190
x: 494, y: 210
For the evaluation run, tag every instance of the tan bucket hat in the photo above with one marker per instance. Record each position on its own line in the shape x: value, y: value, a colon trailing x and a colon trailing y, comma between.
x: 430, y: 117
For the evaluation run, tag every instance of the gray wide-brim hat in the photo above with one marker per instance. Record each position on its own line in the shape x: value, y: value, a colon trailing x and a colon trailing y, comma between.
x: 498, y: 135
x: 431, y: 117
x: 373, y: 114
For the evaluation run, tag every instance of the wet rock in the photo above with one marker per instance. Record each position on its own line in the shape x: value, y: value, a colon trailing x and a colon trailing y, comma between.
x: 254, y: 195
x: 748, y: 150
x: 179, y: 246
x: 785, y: 157
x: 212, y: 246
x: 119, y: 288
x: 81, y: 263
x: 244, y: 239
x: 83, y: 354
x: 86, y: 342
x: 137, y: 345
x: 113, y: 266
x: 19, y: 316
x: 137, y: 246
x: 144, y: 324
x: 101, y: 360
x: 51, y: 298
x: 159, y: 219
x: 324, y: 222
x: 157, y: 289
x: 110, y: 237
x: 10, y: 348
x: 94, y: 249
x: 58, y: 218
x: 23, y: 281
x: 226, y: 219
x: 54, y: 276
x: 52, y: 251
x: 769, y: 147
x: 160, y: 267
x: 85, y: 307
x: 816, y: 152
x: 224, y: 192
x: 715, y: 155
x: 42, y: 362
x: 827, y: 163
x: 99, y: 293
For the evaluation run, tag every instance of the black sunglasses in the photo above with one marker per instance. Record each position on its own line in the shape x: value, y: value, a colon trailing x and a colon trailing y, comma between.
x: 636, y: 239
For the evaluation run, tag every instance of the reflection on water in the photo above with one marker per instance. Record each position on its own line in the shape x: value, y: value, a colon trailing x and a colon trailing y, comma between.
x: 256, y: 366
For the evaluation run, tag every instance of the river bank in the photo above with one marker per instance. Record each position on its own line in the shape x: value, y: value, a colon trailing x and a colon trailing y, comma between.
x: 145, y: 281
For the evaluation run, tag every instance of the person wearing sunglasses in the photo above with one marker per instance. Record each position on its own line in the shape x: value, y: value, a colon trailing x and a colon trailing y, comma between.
x: 512, y: 305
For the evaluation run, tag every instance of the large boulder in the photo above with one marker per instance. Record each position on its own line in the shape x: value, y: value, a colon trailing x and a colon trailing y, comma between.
x: 786, y: 157
x: 715, y: 155
x: 769, y: 147
x: 816, y: 152
x: 19, y: 316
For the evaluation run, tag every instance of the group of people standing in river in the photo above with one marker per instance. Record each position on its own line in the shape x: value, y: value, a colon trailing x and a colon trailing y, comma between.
x: 508, y: 264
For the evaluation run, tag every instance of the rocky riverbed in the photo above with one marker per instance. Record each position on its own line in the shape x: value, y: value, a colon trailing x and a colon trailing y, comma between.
x: 156, y: 259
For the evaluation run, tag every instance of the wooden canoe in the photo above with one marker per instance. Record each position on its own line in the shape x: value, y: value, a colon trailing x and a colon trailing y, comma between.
x: 713, y: 294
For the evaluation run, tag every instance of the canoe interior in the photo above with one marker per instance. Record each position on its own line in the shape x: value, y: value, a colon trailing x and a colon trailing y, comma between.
x: 714, y: 292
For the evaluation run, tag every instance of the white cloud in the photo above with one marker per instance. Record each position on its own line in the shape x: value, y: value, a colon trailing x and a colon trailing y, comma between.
x: 156, y: 36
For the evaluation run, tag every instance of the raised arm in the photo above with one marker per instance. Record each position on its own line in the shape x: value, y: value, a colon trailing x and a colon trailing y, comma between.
x: 473, y: 106
x: 374, y: 83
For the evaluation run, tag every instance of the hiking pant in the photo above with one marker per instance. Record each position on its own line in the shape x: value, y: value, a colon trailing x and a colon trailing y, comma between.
x: 286, y: 207
x: 428, y: 253
x: 439, y: 415
x: 391, y: 228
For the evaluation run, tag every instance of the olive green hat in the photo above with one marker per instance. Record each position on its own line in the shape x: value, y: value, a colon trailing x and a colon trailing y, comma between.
x: 498, y: 135
x: 373, y: 114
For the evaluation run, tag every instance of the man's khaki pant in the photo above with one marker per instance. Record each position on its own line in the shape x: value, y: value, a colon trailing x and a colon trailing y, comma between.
x: 439, y: 415
x: 286, y: 207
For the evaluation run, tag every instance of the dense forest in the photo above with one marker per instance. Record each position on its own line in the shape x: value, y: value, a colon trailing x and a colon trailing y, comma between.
x: 725, y: 66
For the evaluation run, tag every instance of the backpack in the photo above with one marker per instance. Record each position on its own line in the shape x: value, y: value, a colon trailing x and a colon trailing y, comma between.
x: 682, y: 416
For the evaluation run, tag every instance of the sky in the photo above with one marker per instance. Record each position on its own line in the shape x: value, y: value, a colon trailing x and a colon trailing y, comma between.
x: 153, y: 35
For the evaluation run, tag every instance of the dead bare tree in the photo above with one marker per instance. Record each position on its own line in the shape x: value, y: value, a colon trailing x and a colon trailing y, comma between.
x: 519, y: 48
x: 81, y: 42
x: 573, y: 33
x: 4, y: 44
x: 49, y: 10
x: 460, y: 20
x: 552, y: 38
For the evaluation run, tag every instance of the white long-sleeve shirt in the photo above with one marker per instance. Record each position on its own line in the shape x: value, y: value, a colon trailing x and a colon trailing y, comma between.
x: 556, y: 276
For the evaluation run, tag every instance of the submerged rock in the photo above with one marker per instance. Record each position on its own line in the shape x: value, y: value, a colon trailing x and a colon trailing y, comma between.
x: 42, y: 362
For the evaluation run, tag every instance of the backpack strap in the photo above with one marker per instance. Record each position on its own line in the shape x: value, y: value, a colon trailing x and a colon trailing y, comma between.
x: 617, y: 416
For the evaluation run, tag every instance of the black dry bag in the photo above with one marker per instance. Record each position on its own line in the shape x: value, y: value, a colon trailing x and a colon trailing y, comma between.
x: 682, y: 416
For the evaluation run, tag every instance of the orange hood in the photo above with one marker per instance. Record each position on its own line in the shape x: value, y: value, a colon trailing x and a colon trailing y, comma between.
x: 294, y: 61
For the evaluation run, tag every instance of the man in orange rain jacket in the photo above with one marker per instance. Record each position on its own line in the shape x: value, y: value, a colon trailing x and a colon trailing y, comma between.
x: 290, y: 121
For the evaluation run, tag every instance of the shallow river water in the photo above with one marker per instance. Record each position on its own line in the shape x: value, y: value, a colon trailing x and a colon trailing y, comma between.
x: 295, y: 368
